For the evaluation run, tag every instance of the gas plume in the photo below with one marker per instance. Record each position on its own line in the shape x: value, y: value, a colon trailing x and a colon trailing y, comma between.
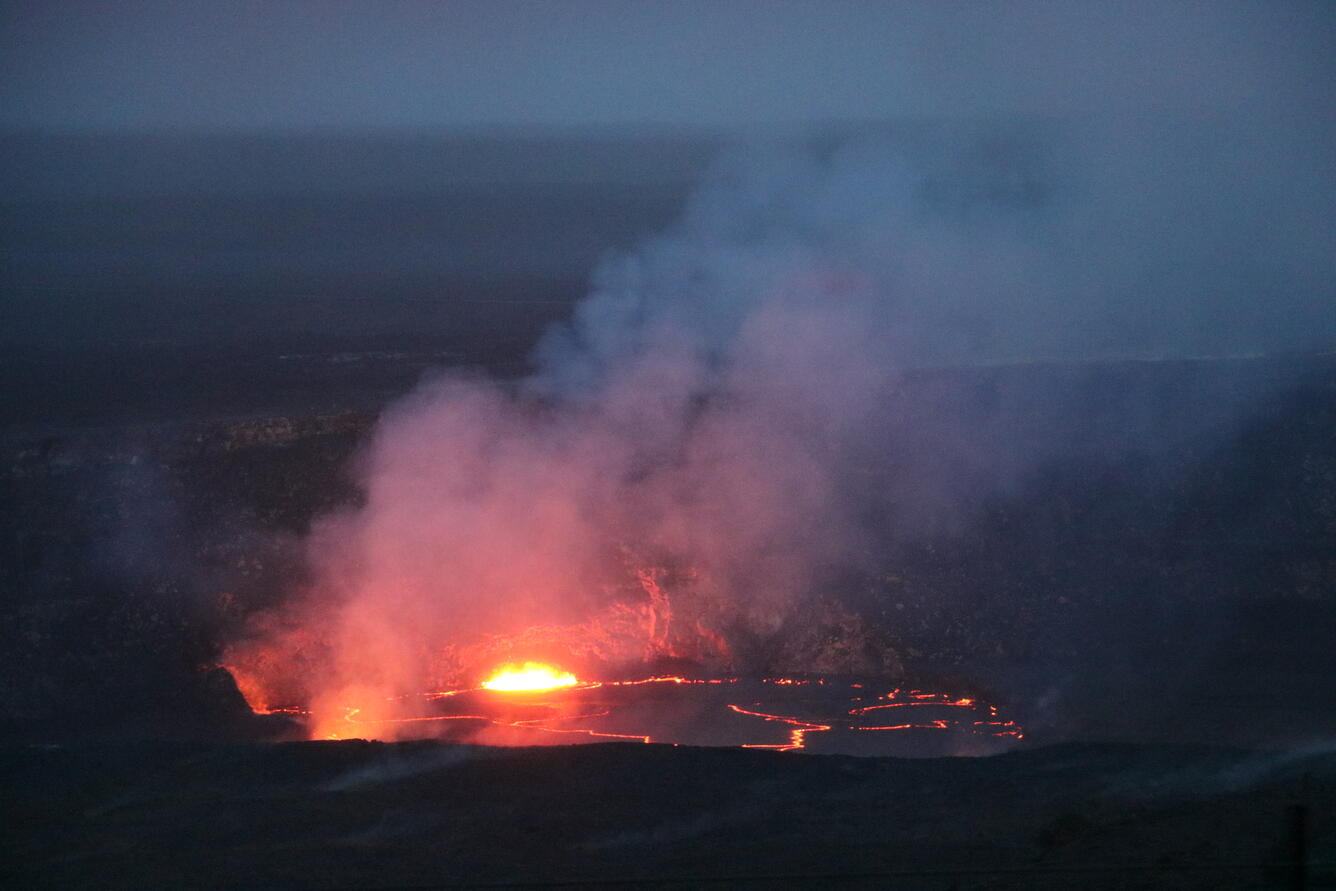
x: 684, y: 469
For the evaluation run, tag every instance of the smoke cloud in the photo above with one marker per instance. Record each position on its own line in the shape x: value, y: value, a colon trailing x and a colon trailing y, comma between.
x: 685, y: 467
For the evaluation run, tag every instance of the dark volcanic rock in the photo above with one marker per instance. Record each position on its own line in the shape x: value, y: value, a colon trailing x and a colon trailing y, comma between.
x: 827, y: 638
x: 371, y: 815
x: 132, y: 553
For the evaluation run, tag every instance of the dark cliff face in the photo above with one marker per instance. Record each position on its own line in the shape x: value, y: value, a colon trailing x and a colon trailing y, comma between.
x: 131, y: 552
x: 1125, y: 550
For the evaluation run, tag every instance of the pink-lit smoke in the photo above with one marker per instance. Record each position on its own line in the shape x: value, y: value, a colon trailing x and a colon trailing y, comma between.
x: 683, y: 468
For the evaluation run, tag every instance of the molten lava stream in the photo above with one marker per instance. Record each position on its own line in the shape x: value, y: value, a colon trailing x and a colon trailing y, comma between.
x: 797, y: 736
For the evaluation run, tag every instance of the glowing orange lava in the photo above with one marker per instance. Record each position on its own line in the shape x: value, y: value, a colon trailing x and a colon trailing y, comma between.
x: 811, y: 713
x: 797, y: 736
x: 530, y: 676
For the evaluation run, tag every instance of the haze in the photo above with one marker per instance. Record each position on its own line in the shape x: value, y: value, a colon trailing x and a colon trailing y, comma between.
x: 257, y: 65
x: 189, y: 173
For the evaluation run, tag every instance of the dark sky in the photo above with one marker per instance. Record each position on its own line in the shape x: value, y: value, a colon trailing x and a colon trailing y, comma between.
x: 171, y: 64
x: 1170, y: 167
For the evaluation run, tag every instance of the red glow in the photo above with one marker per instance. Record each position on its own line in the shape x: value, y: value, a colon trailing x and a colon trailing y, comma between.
x: 921, y: 700
x: 251, y: 690
x: 796, y: 736
x: 939, y: 724
x: 592, y: 711
x: 530, y: 676
x: 364, y: 691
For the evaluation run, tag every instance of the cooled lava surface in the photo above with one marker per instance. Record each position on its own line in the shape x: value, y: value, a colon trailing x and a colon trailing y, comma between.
x: 536, y: 705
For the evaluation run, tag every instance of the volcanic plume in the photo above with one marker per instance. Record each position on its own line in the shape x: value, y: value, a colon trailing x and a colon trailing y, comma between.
x: 684, y: 469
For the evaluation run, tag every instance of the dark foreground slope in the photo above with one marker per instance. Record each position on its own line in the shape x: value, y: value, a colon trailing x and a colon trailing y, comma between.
x: 371, y: 815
